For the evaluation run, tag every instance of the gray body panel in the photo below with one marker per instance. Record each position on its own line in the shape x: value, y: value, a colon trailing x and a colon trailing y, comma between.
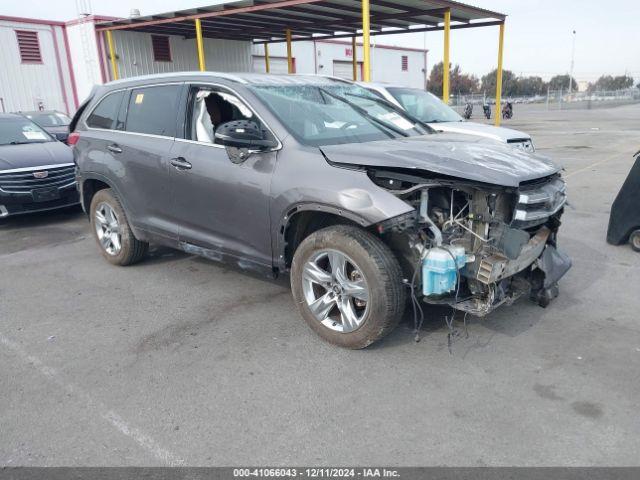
x: 223, y: 206
x: 448, y: 154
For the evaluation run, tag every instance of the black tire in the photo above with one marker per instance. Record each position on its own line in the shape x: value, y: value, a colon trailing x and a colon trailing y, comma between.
x: 382, y: 274
x: 634, y: 240
x: 131, y: 250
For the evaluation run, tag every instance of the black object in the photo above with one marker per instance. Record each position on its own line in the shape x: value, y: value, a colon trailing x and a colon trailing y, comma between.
x: 468, y: 111
x: 243, y: 134
x: 625, y: 211
x: 512, y: 240
x: 507, y: 110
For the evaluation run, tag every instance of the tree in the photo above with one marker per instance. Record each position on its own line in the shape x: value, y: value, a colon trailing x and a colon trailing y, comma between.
x: 561, y: 82
x: 435, y: 79
x: 509, y: 83
x: 529, y: 86
x: 463, y: 83
x: 607, y: 82
x: 459, y: 83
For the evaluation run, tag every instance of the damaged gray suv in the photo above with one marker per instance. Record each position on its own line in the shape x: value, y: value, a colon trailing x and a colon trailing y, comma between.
x: 365, y: 207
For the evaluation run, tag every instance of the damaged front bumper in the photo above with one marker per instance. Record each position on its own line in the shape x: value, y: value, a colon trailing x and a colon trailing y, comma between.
x: 535, y: 273
x: 479, y: 246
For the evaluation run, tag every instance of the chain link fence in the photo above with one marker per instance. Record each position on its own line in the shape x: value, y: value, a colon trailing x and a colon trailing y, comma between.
x: 556, y: 99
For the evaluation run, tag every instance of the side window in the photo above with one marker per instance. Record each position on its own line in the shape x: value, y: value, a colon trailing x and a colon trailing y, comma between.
x: 153, y: 110
x: 210, y: 108
x: 104, y: 115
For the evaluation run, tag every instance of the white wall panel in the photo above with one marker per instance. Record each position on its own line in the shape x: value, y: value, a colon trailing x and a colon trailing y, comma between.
x: 23, y: 86
x: 135, y: 55
x: 83, y: 50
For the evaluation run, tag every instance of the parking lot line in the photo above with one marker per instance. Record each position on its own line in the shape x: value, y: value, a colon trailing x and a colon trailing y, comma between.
x: 165, y: 456
x: 594, y: 164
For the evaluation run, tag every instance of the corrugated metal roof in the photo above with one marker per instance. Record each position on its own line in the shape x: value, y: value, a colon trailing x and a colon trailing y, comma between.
x: 266, y: 20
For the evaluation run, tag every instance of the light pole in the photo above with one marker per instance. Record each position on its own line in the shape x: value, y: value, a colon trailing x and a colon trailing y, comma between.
x: 573, y: 51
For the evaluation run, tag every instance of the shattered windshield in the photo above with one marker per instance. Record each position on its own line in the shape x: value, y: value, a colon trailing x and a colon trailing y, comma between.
x: 330, y: 114
x: 424, y: 105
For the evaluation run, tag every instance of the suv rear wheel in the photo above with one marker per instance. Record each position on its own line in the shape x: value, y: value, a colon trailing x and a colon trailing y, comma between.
x: 347, y: 285
x: 112, y: 231
x: 634, y: 240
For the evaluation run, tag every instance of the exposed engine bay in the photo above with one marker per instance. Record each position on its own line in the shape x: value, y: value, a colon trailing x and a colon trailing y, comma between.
x: 476, y: 246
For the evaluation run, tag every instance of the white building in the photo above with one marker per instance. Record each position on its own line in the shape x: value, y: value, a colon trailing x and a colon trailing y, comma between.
x: 53, y: 65
x: 36, y: 67
x: 402, y: 66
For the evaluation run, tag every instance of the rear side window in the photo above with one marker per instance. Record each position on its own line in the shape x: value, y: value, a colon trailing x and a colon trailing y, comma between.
x: 153, y: 110
x: 105, y: 114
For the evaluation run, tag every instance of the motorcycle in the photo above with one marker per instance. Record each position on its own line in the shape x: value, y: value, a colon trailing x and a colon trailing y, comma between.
x: 507, y: 110
x: 468, y: 111
x: 487, y: 111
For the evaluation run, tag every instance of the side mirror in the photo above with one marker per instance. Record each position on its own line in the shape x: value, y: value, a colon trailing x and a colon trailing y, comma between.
x: 243, y: 134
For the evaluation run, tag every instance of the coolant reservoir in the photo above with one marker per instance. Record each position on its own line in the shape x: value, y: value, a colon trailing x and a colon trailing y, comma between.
x: 440, y: 269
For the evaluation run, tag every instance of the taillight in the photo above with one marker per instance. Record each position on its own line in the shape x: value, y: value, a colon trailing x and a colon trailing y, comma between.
x: 73, y: 138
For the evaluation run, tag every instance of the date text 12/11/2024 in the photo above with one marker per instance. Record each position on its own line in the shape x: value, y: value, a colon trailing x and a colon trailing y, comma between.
x: 315, y: 472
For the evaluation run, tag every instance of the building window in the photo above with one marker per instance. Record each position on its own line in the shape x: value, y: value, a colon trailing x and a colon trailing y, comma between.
x: 161, y: 48
x: 405, y: 63
x: 29, y: 46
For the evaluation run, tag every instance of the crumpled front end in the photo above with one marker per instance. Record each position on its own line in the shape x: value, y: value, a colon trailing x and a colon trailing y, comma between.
x: 476, y: 246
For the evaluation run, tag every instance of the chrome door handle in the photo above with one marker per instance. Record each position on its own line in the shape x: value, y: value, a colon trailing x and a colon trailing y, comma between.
x: 180, y: 163
x: 114, y: 148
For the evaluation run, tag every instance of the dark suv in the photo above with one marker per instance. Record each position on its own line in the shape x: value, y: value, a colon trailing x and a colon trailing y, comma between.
x: 364, y: 206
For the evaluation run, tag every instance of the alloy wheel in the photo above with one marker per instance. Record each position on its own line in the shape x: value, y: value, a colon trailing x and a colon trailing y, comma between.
x: 335, y: 290
x: 108, y: 229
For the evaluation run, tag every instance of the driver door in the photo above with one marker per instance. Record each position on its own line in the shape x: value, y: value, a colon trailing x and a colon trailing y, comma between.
x: 222, y: 207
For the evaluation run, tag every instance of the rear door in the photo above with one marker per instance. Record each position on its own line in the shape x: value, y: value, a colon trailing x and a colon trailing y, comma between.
x: 144, y: 150
x: 223, y: 207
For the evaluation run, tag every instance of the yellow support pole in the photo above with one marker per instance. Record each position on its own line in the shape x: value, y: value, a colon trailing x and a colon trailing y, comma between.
x: 366, y: 47
x: 200, y: 45
x: 445, y: 62
x: 354, y: 58
x: 499, y: 77
x: 266, y: 57
x: 289, y: 54
x: 112, y: 55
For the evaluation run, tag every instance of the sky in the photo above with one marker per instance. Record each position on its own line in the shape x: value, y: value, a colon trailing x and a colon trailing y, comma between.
x: 538, y: 33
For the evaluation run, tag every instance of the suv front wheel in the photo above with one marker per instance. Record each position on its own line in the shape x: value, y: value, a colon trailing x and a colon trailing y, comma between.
x: 112, y: 231
x: 347, y: 285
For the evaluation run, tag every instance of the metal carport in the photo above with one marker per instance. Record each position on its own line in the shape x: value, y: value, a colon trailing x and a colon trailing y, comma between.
x: 271, y: 21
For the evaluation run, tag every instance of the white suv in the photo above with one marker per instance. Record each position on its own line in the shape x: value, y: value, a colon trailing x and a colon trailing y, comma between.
x: 430, y: 109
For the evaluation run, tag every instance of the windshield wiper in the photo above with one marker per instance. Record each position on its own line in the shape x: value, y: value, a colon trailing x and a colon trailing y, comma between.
x: 17, y: 142
x: 365, y: 114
